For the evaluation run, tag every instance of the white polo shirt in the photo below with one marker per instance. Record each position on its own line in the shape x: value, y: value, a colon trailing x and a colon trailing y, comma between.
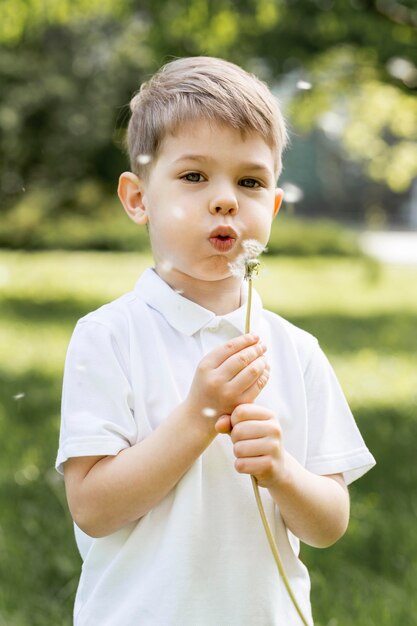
x: 200, y: 557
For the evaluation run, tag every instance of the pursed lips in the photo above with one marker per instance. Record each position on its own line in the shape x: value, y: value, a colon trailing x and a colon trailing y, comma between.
x: 223, y: 238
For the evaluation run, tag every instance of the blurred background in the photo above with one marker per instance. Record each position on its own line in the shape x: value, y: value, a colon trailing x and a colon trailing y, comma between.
x: 342, y: 260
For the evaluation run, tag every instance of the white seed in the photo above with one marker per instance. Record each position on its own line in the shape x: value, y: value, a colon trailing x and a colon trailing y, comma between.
x: 178, y: 213
x: 144, y: 159
x: 166, y: 266
x: 304, y: 85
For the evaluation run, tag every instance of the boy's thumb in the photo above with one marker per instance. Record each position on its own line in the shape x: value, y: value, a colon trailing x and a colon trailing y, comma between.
x: 223, y: 425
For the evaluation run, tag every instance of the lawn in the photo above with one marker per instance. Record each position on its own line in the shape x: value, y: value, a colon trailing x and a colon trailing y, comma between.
x: 365, y: 317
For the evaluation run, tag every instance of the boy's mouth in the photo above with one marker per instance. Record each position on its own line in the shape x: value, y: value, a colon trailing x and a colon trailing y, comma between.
x: 223, y: 238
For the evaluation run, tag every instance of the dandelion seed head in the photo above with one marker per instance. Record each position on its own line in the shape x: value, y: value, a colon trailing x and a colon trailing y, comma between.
x: 144, y: 159
x: 209, y: 412
x: 252, y: 248
x: 246, y: 263
x: 19, y: 396
x: 237, y: 267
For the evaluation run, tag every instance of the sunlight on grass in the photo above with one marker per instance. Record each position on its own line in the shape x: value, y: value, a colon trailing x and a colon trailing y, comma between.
x: 40, y: 347
x: 83, y: 276
x: 365, y: 317
x: 369, y: 378
x: 354, y: 287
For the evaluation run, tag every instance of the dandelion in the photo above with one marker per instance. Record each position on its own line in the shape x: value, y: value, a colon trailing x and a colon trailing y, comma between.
x: 19, y: 396
x: 248, y: 264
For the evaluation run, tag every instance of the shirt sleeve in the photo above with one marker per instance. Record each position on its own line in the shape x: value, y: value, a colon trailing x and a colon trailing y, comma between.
x: 335, y: 444
x: 97, y: 401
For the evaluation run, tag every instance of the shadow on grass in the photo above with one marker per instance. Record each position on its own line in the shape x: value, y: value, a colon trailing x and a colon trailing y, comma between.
x: 344, y: 334
x: 374, y: 565
x: 339, y: 333
x: 30, y: 311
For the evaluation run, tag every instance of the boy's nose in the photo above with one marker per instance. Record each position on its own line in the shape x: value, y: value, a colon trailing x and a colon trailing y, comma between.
x: 224, y: 205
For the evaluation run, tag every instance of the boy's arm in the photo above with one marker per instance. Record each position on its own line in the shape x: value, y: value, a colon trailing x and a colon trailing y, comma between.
x: 314, y: 508
x: 106, y: 493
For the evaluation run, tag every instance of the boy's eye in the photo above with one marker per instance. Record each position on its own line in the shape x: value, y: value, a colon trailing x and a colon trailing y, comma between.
x: 193, y: 177
x: 249, y: 182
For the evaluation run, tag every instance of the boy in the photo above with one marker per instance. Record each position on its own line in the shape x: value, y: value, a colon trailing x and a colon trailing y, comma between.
x: 165, y: 516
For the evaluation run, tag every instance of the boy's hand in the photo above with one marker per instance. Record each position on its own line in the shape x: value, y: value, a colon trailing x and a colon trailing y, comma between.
x: 232, y: 374
x: 257, y: 440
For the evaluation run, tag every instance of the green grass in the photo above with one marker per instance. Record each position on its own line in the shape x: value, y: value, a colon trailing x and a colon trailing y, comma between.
x: 365, y: 317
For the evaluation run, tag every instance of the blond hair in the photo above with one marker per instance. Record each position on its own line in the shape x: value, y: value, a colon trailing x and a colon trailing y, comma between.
x: 201, y: 87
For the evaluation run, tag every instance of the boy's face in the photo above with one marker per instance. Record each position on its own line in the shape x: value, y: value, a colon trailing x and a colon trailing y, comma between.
x: 209, y: 189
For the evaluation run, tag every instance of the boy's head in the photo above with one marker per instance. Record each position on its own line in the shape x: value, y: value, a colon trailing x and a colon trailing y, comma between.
x: 201, y: 87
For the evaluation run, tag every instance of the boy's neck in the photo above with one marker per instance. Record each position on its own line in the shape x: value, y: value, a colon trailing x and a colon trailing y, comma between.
x: 220, y: 297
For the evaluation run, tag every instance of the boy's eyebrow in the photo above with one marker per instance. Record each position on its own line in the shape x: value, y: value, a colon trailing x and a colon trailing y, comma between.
x: 192, y: 157
x: 250, y: 165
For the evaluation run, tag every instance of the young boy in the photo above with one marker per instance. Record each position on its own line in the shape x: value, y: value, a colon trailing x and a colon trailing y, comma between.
x: 169, y: 407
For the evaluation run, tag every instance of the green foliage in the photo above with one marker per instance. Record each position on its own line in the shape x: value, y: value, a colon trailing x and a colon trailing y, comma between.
x: 98, y: 223
x: 375, y: 122
x: 28, y: 17
x: 61, y: 97
x: 69, y: 68
x: 365, y: 319
x: 95, y: 224
x: 292, y: 236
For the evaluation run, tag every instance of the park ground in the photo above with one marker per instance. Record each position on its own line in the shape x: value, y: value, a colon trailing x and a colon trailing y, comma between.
x: 365, y: 316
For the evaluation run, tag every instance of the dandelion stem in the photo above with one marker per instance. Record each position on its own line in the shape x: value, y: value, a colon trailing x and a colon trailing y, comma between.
x: 268, y: 532
x: 248, y: 306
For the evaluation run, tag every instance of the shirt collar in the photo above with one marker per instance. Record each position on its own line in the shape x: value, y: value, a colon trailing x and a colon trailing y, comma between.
x: 189, y: 317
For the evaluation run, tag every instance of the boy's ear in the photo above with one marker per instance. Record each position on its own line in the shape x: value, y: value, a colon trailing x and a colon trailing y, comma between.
x: 279, y: 194
x: 130, y: 192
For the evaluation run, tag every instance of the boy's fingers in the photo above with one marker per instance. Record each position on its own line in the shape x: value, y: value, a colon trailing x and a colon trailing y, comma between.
x: 217, y: 356
x: 248, y: 429
x: 255, y: 389
x: 242, y: 360
x: 256, y: 373
x: 223, y: 425
x: 244, y: 412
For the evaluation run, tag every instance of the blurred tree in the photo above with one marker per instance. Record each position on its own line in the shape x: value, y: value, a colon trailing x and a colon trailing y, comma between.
x: 67, y: 67
x: 61, y: 95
